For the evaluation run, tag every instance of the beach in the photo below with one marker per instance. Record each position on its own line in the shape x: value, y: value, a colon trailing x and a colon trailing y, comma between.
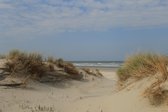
x: 61, y: 97
x: 98, y: 95
x: 84, y: 56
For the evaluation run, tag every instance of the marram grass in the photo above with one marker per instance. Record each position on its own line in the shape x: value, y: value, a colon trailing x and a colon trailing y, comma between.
x: 142, y: 65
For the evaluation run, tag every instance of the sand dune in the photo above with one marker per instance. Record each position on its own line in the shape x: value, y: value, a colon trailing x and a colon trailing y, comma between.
x: 99, y: 95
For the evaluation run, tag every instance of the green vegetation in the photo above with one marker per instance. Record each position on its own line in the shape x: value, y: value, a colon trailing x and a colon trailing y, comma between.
x: 123, y: 74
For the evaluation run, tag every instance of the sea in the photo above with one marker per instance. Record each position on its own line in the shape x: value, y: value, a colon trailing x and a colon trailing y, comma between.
x: 99, y: 64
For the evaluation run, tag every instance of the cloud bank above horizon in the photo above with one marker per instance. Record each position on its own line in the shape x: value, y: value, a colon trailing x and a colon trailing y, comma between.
x: 31, y: 17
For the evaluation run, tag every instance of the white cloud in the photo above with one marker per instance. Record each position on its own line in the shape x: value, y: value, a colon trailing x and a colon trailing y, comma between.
x: 28, y: 17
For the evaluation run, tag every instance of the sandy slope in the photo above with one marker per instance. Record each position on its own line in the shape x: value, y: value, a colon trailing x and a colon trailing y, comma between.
x: 100, y: 95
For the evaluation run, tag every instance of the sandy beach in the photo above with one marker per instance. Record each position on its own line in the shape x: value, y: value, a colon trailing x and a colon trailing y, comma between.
x: 99, y: 95
x: 84, y: 56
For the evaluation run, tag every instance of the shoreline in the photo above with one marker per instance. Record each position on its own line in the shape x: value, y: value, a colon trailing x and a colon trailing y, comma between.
x: 114, y: 69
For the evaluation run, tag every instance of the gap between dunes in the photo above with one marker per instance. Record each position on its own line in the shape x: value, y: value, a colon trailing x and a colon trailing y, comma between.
x: 99, y: 95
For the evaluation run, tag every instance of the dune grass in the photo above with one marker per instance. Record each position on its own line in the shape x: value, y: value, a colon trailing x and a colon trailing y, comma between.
x: 95, y: 73
x: 156, y: 94
x: 67, y: 66
x: 145, y: 65
x: 142, y: 65
x: 30, y: 64
x: 33, y: 66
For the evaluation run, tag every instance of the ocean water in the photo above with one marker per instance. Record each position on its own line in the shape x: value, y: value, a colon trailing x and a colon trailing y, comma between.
x: 102, y: 64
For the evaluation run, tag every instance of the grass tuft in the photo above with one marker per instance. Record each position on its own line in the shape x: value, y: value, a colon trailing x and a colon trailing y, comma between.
x: 123, y: 74
x: 156, y: 95
x: 32, y: 66
x: 94, y: 73
x: 143, y: 65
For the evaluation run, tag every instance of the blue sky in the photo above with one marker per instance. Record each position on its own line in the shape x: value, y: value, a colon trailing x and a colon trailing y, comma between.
x: 84, y: 29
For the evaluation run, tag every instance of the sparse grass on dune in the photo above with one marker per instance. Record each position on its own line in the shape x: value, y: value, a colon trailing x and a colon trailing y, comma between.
x: 156, y: 94
x: 145, y: 65
x: 94, y: 73
x: 123, y: 74
x: 32, y: 66
x: 26, y: 64
x: 67, y: 66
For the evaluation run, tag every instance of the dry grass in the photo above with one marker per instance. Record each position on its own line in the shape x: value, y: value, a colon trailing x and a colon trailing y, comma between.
x: 67, y: 66
x: 60, y: 63
x: 32, y: 66
x: 94, y: 73
x: 50, y: 59
x: 156, y: 94
x: 144, y: 65
x: 70, y: 68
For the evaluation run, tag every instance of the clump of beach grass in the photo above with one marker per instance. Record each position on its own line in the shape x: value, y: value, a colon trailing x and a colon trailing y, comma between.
x: 66, y: 66
x: 123, y: 74
x: 142, y: 65
x: 145, y: 65
x: 32, y: 66
x: 156, y: 94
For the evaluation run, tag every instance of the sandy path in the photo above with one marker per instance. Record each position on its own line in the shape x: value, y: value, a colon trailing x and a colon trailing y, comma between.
x: 97, y: 96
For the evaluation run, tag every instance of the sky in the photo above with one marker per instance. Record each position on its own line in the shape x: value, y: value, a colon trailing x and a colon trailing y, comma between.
x: 84, y: 29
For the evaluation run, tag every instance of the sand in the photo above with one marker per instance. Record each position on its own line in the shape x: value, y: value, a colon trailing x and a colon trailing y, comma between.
x: 99, y: 95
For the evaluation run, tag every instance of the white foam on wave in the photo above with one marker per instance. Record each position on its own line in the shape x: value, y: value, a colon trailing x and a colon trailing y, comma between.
x: 90, y: 64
